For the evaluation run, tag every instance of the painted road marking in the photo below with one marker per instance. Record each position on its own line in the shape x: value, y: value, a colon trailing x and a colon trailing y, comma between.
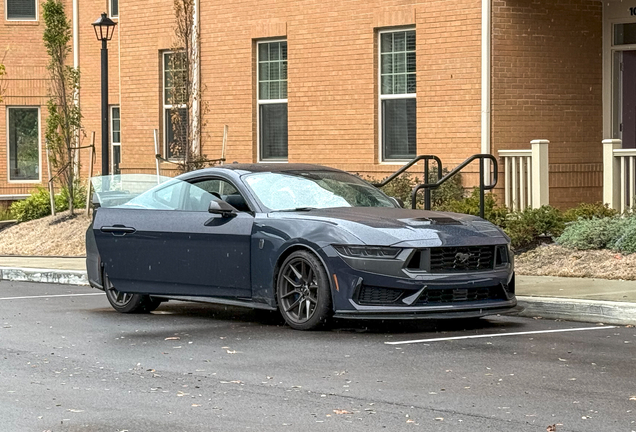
x: 49, y: 296
x: 499, y: 335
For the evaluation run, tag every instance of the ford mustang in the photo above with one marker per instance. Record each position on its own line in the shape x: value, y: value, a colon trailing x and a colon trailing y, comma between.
x: 309, y: 241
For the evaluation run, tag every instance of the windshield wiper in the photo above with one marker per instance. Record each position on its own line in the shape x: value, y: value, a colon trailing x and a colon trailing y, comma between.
x: 296, y: 209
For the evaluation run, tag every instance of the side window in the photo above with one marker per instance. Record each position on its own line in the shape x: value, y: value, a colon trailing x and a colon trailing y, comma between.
x: 222, y: 189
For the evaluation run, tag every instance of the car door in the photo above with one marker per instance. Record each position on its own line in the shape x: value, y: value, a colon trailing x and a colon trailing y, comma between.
x: 166, y: 242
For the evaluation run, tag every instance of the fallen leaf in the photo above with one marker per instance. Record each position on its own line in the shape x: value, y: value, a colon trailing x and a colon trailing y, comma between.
x: 439, y: 418
x: 632, y: 398
x: 173, y: 338
x: 341, y: 411
x: 551, y: 428
x: 231, y: 351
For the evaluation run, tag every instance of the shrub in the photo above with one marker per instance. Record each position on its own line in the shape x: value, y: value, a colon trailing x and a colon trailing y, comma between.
x: 402, y: 187
x: 589, y: 211
x: 595, y: 233
x: 38, y: 204
x: 530, y: 227
x: 625, y: 241
x: 470, y: 205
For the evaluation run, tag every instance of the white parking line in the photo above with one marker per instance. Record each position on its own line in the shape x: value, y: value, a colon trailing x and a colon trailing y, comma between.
x: 499, y: 335
x: 49, y: 296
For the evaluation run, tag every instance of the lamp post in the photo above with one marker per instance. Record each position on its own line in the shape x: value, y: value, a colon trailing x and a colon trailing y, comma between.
x: 104, y: 28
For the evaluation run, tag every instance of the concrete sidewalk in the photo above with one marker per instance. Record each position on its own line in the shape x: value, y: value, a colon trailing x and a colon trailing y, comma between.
x: 576, y: 299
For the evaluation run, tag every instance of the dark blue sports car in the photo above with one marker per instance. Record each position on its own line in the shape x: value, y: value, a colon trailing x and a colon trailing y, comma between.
x: 310, y: 241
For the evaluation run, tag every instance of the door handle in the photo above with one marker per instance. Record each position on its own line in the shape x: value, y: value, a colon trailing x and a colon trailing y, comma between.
x: 117, y: 230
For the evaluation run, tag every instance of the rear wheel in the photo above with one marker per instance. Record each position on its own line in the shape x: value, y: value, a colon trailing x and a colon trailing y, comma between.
x: 303, y: 292
x: 128, y: 303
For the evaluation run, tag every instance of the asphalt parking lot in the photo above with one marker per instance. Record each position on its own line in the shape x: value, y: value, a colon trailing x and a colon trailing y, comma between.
x: 68, y: 362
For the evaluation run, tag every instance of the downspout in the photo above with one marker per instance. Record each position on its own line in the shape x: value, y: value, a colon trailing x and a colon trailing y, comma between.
x: 76, y: 96
x: 486, y: 22
x: 196, y: 82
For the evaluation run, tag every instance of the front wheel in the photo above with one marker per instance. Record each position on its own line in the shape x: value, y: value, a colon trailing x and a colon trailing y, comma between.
x: 303, y: 292
x: 128, y: 303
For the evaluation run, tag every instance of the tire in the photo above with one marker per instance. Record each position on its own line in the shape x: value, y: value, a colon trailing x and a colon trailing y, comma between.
x: 128, y: 303
x: 303, y: 291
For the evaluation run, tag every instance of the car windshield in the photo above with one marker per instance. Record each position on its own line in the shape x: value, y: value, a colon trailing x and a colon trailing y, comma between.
x: 300, y: 190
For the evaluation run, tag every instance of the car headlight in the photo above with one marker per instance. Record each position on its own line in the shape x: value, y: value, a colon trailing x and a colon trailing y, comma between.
x: 368, y: 251
x: 502, y: 256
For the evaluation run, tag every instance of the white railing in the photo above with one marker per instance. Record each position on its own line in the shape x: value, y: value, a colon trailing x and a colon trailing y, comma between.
x: 619, y: 175
x: 526, y: 176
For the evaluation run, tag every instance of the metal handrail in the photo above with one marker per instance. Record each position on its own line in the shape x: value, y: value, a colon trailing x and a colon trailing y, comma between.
x: 427, y: 193
x: 482, y: 187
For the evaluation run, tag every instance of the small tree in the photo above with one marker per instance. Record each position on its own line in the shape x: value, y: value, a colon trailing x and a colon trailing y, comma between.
x: 185, y: 91
x: 64, y: 121
x: 3, y: 74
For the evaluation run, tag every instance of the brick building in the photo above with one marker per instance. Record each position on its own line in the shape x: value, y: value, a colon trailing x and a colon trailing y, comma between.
x: 358, y: 85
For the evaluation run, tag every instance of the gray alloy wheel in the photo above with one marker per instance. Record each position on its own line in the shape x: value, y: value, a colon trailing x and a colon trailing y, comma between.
x: 128, y: 303
x: 303, y: 291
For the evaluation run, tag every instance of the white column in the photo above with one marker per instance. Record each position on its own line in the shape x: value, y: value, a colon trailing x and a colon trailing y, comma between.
x: 540, y: 173
x: 611, y: 173
x: 196, y: 80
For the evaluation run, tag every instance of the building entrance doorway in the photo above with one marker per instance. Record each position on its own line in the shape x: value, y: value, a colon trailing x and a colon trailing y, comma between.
x: 625, y: 97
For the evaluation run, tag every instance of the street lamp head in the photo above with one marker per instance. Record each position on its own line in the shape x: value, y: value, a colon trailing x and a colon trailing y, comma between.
x: 104, y: 28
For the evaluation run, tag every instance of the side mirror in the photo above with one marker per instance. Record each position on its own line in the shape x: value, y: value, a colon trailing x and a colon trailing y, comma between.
x: 397, y: 201
x: 222, y: 208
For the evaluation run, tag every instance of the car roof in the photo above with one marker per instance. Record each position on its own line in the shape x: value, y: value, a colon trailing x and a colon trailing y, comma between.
x: 245, y: 168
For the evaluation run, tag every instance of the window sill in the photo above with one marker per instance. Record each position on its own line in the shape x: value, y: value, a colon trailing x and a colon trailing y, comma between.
x: 21, y: 23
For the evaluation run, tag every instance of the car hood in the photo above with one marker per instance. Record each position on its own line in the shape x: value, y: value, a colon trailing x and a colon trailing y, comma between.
x: 406, y: 228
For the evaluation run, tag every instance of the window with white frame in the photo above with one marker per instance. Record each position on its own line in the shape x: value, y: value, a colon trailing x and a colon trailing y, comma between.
x: 114, y: 8
x: 398, y: 107
x: 175, y: 113
x: 23, y: 139
x: 115, y: 138
x: 272, y: 100
x: 21, y: 10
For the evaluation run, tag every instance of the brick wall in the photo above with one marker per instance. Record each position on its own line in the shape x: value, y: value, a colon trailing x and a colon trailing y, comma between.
x: 546, y: 84
x: 332, y: 77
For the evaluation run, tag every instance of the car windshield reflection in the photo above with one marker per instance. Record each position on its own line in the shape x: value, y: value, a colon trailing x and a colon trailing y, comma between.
x: 302, y: 191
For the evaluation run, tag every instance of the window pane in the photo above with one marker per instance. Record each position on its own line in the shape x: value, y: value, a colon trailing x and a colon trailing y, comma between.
x: 263, y: 71
x: 115, y: 125
x: 399, y: 84
x: 399, y: 128
x: 274, y: 90
x: 274, y: 51
x: 116, y: 159
x: 21, y: 9
x: 273, y: 131
x: 624, y: 34
x: 114, y: 8
x: 410, y: 40
x: 399, y: 41
x: 396, y: 60
x: 24, y: 144
x: 387, y: 64
x: 176, y: 121
x: 272, y: 72
x: 410, y: 62
x: 386, y: 42
x: 263, y: 52
x: 263, y: 90
x: 411, y: 83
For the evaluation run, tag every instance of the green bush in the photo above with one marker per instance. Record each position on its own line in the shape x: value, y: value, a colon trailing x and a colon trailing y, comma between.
x: 595, y: 233
x: 589, y: 211
x: 38, y: 204
x: 5, y: 214
x: 530, y: 227
x: 470, y: 205
x: 402, y: 187
x: 625, y: 241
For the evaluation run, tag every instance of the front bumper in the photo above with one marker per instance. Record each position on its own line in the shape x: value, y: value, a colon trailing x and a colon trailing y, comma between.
x: 369, y: 295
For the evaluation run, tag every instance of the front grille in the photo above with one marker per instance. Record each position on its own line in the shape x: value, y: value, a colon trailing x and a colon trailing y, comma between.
x: 460, y: 259
x: 460, y: 295
x: 374, y: 295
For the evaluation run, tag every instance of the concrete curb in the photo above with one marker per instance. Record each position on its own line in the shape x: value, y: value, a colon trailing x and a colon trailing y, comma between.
x: 66, y: 277
x: 596, y: 311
